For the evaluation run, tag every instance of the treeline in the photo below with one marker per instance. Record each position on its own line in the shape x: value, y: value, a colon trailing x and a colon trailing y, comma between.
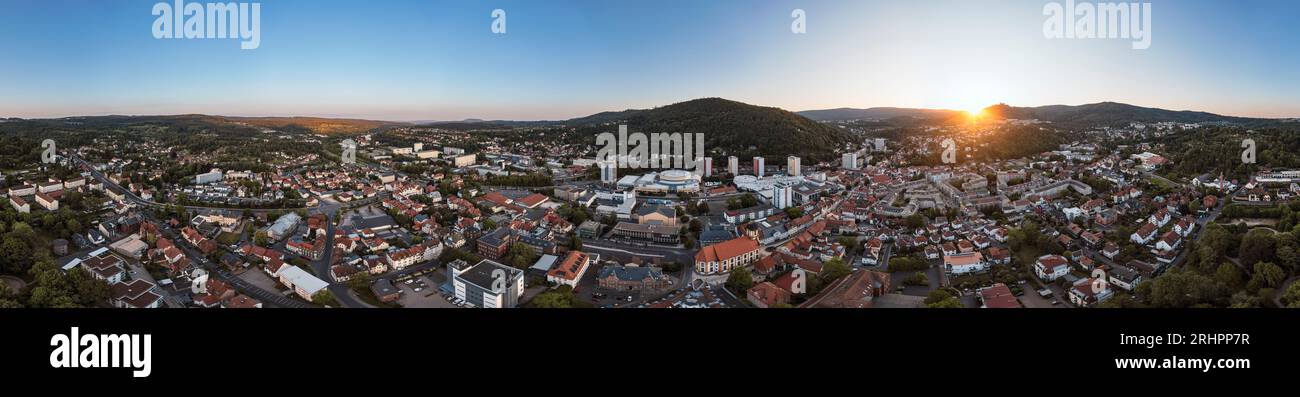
x: 25, y: 254
x: 1217, y: 150
x: 1228, y: 267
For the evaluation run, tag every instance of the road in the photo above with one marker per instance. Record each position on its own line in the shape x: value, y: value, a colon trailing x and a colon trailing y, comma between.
x: 321, y: 266
x: 269, y: 298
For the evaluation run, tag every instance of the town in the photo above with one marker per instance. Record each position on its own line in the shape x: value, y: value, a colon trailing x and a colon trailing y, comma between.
x: 432, y: 217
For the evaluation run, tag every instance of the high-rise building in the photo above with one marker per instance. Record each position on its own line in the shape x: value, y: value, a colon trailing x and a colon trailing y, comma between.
x: 880, y: 144
x: 850, y: 161
x: 782, y: 196
x: 733, y: 165
x: 708, y: 167
x: 792, y: 166
x: 608, y: 171
x: 759, y: 165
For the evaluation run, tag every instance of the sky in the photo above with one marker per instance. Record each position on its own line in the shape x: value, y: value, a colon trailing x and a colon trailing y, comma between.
x: 440, y: 60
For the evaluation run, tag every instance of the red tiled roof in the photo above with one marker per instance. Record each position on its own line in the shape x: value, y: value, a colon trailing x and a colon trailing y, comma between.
x: 726, y: 250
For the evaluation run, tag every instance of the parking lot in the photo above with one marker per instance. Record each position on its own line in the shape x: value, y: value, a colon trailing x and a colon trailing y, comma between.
x: 428, y: 295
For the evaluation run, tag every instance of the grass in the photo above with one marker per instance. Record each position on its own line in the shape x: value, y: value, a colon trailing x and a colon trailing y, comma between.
x: 228, y: 238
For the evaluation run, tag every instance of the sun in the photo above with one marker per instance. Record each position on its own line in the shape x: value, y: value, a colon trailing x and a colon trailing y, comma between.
x: 975, y: 113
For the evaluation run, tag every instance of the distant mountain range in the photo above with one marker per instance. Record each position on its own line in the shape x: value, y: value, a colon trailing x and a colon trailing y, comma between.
x: 1095, y: 113
x: 729, y: 127
x: 883, y: 113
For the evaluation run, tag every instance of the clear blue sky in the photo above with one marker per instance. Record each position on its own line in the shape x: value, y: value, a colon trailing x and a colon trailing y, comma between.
x: 424, y: 60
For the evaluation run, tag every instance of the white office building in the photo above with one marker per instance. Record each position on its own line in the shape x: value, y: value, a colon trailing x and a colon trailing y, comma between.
x: 708, y: 167
x: 759, y: 166
x: 733, y: 165
x: 209, y: 177
x: 792, y: 166
x: 850, y: 161
x: 487, y: 284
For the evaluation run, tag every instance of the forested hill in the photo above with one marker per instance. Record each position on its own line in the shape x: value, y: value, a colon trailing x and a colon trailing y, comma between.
x: 729, y: 127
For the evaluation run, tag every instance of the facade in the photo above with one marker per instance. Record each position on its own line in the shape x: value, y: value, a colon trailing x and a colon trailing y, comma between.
x: 464, y: 160
x: 759, y: 166
x: 487, y: 284
x: 849, y: 161
x: 208, y: 177
x: 570, y: 270
x: 19, y: 204
x: 963, y: 263
x: 1051, y: 267
x: 782, y: 196
x: 304, y: 284
x: 793, y: 168
x: 633, y: 278
x: 494, y: 245
x: 653, y: 232
x: 733, y: 165
x: 723, y: 257
x: 708, y: 167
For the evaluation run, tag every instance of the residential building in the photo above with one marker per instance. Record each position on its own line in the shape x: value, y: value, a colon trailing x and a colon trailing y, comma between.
x: 766, y: 294
x: 1051, y: 267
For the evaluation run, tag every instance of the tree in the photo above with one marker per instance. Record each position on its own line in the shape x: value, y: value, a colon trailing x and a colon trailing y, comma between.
x: 1258, y: 245
x: 521, y: 255
x: 794, y: 212
x: 834, y: 269
x: 950, y: 303
x: 16, y: 254
x: 941, y: 299
x: 1184, y: 289
x: 1288, y: 256
x: 740, y: 280
x: 324, y: 297
x: 1291, y: 298
x: 1243, y: 300
x: 359, y: 281
x: 559, y: 298
x: 937, y: 295
x: 1230, y: 275
x: 1266, y: 275
x: 575, y: 243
